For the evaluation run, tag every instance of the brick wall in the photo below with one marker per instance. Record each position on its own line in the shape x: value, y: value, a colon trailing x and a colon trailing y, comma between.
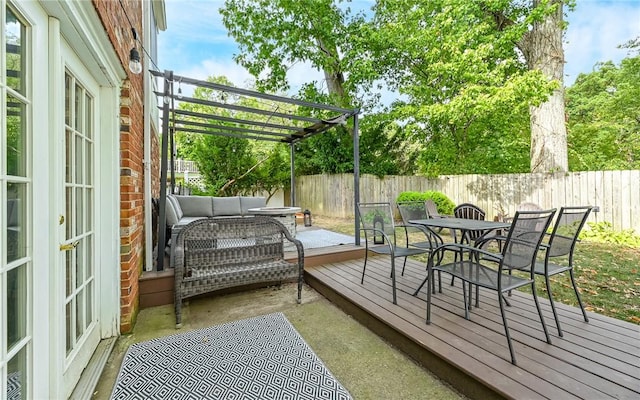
x: 115, y: 20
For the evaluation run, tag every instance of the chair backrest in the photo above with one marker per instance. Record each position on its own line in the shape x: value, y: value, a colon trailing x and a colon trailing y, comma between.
x: 432, y: 208
x: 569, y: 223
x: 524, y: 238
x: 376, y: 219
x: 524, y: 207
x: 410, y: 210
x: 528, y: 207
x: 470, y: 211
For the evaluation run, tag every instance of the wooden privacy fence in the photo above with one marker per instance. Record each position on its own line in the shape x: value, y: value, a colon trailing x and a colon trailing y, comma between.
x: 615, y: 193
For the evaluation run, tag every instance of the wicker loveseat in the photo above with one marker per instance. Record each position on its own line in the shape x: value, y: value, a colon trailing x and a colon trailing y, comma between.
x: 181, y: 210
x: 217, y: 253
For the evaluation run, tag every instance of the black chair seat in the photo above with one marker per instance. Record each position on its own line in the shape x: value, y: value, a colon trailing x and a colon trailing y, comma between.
x: 482, y: 275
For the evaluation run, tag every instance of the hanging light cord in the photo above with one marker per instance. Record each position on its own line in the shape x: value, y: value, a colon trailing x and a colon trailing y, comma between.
x: 134, y: 34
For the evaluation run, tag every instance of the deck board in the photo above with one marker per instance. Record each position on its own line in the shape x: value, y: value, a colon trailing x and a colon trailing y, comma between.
x: 595, y: 360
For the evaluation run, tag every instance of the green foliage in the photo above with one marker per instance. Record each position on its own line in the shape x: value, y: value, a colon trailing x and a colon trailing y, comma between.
x: 603, y: 232
x: 385, y: 148
x: 222, y: 159
x: 275, y: 35
x: 604, y: 122
x: 467, y: 87
x: 444, y: 203
x: 230, y: 165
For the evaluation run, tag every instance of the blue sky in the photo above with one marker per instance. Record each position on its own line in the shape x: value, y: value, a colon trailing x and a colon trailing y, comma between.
x: 196, y: 44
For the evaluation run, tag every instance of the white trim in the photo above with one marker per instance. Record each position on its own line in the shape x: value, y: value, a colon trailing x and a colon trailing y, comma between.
x: 56, y: 90
x: 81, y: 25
x: 160, y: 14
x: 108, y: 206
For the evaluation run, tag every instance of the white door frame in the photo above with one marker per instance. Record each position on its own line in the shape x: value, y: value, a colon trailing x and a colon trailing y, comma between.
x: 106, y: 211
x: 48, y: 23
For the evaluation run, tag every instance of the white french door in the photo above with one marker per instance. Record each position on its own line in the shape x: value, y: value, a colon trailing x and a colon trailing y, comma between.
x: 77, y: 231
x: 16, y: 183
x: 59, y: 242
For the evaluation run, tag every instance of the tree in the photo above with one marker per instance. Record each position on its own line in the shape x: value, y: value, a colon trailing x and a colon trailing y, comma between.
x: 604, y: 117
x: 231, y: 165
x: 461, y: 65
x: 542, y: 48
x: 474, y: 76
x: 274, y: 35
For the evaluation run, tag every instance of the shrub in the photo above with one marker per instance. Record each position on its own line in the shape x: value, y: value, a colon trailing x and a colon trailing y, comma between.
x: 444, y: 204
x: 603, y: 232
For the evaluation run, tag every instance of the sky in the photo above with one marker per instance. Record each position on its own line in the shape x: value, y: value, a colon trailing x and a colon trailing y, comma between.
x: 196, y: 43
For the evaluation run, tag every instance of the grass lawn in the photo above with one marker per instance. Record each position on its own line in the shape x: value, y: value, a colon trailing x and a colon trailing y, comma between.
x: 607, y: 275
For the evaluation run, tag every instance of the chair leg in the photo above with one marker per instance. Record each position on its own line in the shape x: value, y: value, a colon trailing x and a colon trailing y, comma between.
x: 575, y: 289
x: 430, y: 285
x: 553, y: 305
x: 506, y: 328
x: 429, y: 261
x: 421, y: 285
x: 393, y: 278
x: 464, y: 295
x: 178, y: 307
x: 404, y: 264
x: 535, y: 298
x: 366, y: 254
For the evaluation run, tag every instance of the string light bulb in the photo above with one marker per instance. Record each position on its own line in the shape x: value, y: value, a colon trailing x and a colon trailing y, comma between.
x: 135, y: 66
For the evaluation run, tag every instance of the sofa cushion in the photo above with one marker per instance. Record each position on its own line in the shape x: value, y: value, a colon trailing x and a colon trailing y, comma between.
x: 195, y: 206
x: 226, y: 206
x: 251, y: 202
x: 172, y: 211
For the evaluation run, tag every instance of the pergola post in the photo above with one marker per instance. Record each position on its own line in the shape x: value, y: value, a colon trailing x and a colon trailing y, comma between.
x: 356, y: 177
x: 292, y: 192
x: 162, y: 217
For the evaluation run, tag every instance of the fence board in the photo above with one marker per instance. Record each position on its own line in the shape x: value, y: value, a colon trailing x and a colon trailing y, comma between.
x: 617, y: 193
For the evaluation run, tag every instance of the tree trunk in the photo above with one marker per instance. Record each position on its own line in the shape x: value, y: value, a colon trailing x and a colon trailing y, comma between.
x: 542, y: 48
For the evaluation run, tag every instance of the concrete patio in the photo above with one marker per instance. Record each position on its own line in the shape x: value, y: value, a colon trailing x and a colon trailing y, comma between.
x: 365, y: 364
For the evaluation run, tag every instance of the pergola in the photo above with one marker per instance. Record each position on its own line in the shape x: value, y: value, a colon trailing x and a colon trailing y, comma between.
x: 284, y: 124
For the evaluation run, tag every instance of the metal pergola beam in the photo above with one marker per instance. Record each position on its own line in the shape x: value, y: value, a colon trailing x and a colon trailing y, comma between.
x: 251, y: 93
x: 250, y: 110
x: 241, y: 128
x: 235, y: 120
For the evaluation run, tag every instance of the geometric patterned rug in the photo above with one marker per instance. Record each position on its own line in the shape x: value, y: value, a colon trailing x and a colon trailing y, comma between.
x: 256, y: 358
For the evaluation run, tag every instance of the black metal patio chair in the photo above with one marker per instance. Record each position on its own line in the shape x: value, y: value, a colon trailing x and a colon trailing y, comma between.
x: 519, y: 252
x: 429, y: 240
x: 470, y: 211
x: 559, y: 252
x: 380, y: 230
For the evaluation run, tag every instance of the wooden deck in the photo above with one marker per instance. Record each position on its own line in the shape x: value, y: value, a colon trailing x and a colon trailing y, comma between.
x: 595, y: 360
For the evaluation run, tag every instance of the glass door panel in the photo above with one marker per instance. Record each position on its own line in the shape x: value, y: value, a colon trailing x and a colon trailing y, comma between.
x: 15, y: 210
x: 78, y: 241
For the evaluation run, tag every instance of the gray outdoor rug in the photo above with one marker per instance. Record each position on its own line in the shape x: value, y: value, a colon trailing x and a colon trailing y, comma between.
x: 313, y: 239
x: 257, y: 358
